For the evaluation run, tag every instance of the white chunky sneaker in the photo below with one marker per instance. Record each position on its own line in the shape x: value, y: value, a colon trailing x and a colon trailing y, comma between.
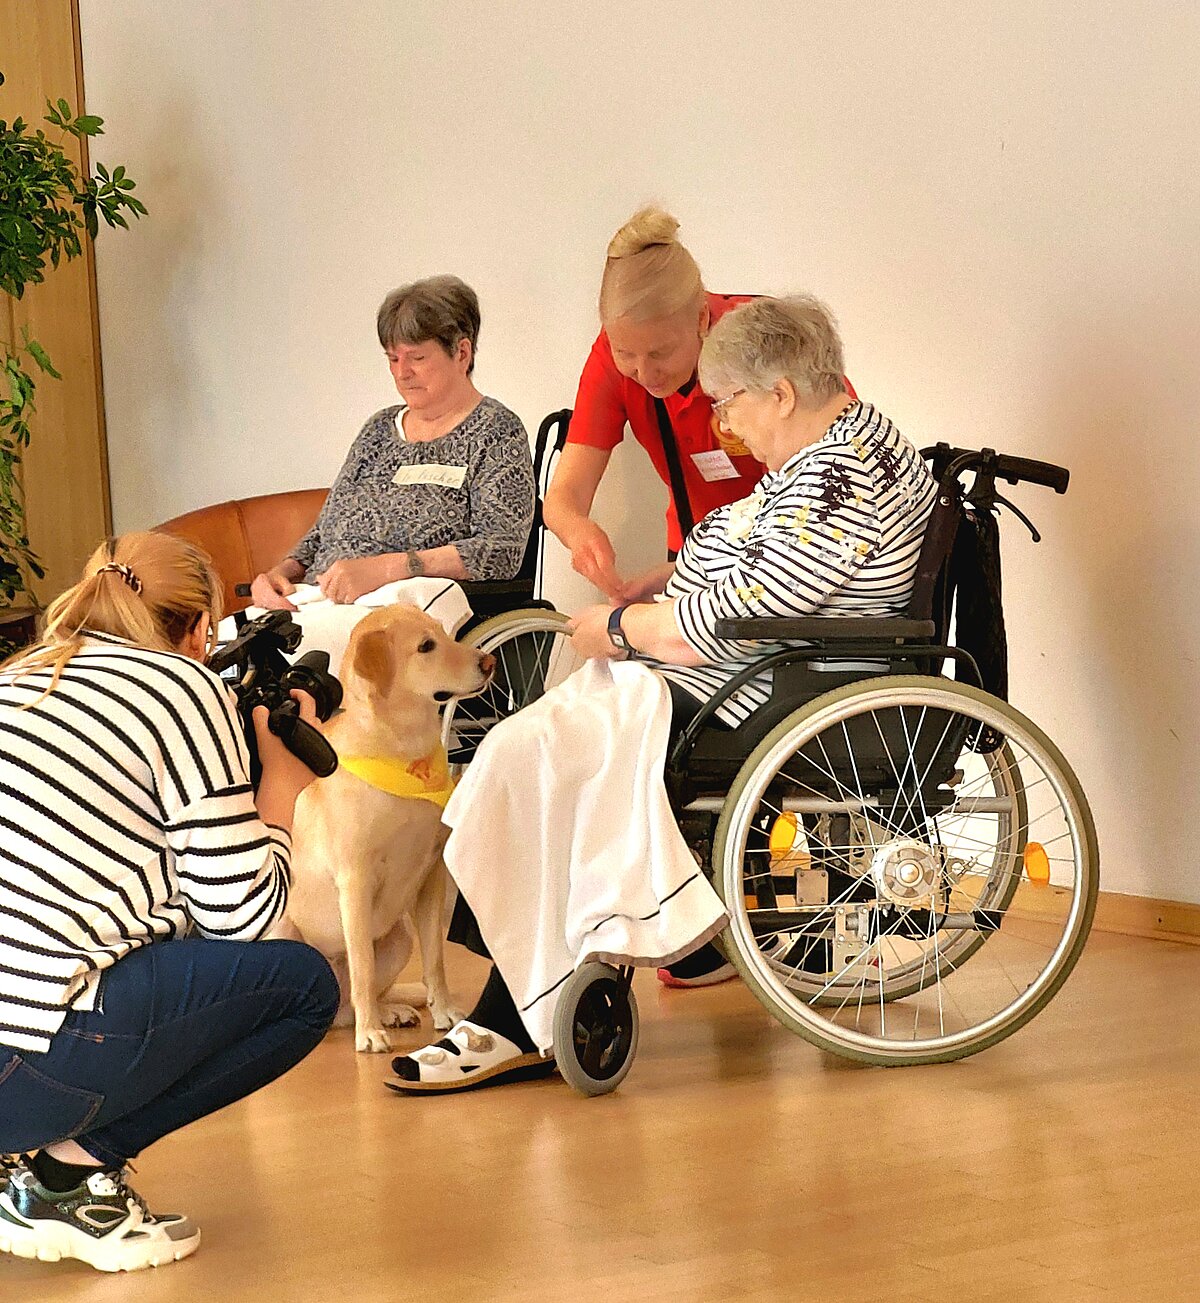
x: 101, y: 1222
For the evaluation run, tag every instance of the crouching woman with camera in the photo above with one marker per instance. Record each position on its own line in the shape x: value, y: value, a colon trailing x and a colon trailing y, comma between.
x: 137, y: 866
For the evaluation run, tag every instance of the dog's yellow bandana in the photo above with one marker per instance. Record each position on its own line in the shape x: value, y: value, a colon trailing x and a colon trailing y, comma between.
x: 426, y: 779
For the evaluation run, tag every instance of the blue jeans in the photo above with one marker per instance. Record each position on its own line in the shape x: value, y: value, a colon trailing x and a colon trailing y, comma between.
x: 181, y: 1028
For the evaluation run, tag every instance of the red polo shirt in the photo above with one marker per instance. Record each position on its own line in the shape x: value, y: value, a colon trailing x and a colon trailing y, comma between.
x: 607, y: 400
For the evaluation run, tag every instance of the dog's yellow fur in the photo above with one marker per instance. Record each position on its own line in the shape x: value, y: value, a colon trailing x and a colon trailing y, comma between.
x: 366, y: 861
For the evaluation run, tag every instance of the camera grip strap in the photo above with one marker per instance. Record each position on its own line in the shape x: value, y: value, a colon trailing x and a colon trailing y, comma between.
x: 302, y: 740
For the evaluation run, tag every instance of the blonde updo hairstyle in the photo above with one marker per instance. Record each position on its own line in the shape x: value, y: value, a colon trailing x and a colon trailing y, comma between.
x: 148, y: 588
x: 767, y: 340
x: 648, y: 274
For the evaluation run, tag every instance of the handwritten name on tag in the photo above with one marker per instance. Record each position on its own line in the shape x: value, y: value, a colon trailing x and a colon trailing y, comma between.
x: 714, y: 465
x: 449, y: 477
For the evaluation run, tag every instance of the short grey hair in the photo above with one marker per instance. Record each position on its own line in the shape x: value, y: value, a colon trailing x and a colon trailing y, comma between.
x: 767, y: 340
x: 442, y: 308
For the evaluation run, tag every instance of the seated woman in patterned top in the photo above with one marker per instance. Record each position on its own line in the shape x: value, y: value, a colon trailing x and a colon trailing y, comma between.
x: 441, y: 484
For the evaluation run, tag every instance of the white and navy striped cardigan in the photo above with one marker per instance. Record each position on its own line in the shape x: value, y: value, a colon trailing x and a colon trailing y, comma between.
x: 836, y: 530
x: 126, y: 817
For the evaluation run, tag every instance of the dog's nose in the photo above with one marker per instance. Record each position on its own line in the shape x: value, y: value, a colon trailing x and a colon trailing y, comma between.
x: 487, y: 663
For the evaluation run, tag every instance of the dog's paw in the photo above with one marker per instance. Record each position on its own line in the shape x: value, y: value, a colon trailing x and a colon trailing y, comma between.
x: 445, y: 1015
x: 372, y: 1040
x: 400, y: 1015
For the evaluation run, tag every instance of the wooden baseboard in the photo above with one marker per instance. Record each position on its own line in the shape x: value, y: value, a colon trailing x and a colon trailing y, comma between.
x: 1143, y: 916
x: 1132, y: 916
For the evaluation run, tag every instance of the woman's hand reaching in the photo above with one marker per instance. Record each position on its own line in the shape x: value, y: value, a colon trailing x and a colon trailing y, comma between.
x: 271, y: 591
x: 592, y: 556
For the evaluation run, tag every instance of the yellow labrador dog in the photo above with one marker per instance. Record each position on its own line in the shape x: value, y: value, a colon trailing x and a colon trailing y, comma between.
x: 368, y: 840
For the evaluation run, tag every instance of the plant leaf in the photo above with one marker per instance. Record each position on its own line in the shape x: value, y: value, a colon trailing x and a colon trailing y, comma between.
x: 42, y: 358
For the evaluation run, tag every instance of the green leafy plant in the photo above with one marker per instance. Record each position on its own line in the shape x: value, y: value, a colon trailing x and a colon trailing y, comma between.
x: 47, y: 208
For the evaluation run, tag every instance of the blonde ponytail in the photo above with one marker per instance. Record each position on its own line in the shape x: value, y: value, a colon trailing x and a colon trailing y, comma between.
x: 648, y: 274
x: 147, y: 588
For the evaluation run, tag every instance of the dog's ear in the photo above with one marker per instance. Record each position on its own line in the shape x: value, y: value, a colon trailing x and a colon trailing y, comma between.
x: 373, y: 659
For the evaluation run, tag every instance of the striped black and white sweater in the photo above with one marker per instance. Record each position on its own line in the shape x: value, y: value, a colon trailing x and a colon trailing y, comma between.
x: 126, y: 817
x: 835, y: 531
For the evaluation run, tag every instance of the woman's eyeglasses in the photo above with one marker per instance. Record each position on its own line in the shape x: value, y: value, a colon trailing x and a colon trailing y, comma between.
x: 720, y: 404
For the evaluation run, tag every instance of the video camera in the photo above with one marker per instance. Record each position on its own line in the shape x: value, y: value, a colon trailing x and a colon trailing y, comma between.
x: 266, y: 678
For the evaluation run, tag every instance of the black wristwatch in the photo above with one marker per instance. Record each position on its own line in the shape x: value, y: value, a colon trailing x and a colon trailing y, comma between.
x: 616, y: 635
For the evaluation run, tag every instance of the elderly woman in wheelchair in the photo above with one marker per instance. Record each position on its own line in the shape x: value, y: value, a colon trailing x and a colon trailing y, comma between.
x: 868, y: 824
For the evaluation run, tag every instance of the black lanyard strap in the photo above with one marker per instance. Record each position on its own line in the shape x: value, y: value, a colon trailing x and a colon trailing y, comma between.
x: 679, y: 493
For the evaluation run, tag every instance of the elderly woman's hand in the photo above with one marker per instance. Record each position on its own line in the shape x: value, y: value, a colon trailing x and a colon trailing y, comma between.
x: 589, y: 634
x: 643, y: 587
x: 271, y: 591
x: 347, y: 580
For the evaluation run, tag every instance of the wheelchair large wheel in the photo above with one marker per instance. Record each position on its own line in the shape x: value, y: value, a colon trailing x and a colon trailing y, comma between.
x: 533, y: 654
x: 595, y: 1029
x: 940, y: 894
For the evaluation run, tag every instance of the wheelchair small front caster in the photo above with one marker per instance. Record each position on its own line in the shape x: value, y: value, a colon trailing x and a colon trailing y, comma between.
x: 596, y: 1029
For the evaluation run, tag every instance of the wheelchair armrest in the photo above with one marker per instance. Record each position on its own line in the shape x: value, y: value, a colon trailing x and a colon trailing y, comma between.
x: 834, y: 628
x: 489, y: 597
x: 488, y: 587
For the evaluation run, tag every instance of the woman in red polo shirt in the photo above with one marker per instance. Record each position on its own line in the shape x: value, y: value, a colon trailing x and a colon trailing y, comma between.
x: 655, y: 312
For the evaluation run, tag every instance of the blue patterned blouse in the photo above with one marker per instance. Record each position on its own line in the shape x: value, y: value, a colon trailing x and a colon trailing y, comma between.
x: 472, y: 487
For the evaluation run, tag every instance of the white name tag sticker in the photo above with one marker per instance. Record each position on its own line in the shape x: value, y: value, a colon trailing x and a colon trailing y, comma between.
x: 449, y: 477
x: 714, y: 465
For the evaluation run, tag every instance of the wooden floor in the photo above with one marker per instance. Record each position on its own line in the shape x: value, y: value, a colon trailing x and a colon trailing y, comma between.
x: 735, y: 1163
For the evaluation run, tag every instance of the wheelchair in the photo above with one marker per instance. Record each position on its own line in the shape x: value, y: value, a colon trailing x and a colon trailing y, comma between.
x: 909, y: 864
x: 510, y: 619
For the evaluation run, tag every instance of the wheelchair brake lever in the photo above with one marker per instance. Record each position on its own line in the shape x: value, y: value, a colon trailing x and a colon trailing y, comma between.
x: 1021, y: 516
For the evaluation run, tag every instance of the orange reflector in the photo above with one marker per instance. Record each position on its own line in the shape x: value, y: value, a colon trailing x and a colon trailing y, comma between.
x: 783, y: 835
x: 1037, y: 864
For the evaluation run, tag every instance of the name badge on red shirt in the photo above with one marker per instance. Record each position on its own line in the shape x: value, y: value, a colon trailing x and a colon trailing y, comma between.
x: 714, y: 465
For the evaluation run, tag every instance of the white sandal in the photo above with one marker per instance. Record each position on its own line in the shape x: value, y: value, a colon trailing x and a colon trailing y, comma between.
x: 467, y: 1056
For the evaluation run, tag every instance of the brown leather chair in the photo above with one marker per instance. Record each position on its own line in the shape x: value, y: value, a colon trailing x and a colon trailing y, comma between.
x: 249, y: 535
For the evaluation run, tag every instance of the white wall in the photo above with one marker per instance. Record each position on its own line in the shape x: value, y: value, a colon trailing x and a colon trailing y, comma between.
x: 1000, y: 201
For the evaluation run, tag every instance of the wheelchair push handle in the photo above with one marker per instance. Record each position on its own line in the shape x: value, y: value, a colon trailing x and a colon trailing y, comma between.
x: 1018, y: 469
x: 951, y: 463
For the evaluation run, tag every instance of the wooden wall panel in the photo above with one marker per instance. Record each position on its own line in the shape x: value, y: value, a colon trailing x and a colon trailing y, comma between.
x: 66, y: 469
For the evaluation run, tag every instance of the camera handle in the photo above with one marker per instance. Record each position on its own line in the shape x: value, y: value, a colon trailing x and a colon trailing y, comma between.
x: 302, y: 740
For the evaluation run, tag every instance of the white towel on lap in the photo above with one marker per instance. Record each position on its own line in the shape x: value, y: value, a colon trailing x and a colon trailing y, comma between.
x: 327, y: 625
x: 564, y: 843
